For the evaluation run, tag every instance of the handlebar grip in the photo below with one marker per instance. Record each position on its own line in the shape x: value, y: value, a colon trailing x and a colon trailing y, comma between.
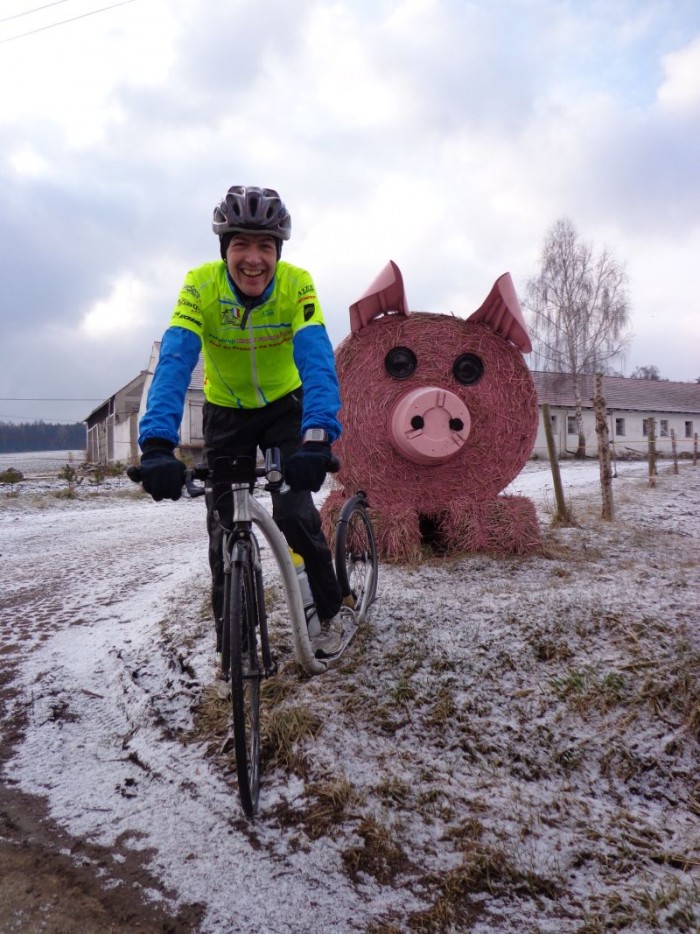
x: 192, y: 474
x: 134, y: 473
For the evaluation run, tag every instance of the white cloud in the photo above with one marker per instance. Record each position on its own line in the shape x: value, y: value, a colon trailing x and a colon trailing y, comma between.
x: 27, y: 161
x: 63, y: 76
x: 444, y: 135
x: 119, y: 312
x: 680, y: 89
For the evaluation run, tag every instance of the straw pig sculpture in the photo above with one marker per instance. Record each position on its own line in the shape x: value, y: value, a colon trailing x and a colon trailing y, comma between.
x: 439, y: 415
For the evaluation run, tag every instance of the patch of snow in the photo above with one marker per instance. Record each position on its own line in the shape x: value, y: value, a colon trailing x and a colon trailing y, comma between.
x: 106, y: 598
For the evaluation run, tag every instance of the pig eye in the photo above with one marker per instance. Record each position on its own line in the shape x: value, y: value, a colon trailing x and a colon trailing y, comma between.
x: 400, y: 362
x: 468, y: 369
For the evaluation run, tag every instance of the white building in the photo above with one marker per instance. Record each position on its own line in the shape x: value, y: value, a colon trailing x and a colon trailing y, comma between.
x: 630, y: 404
x: 112, y: 428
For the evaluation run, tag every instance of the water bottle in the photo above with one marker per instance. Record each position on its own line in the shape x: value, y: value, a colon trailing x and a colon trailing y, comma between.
x: 313, y: 623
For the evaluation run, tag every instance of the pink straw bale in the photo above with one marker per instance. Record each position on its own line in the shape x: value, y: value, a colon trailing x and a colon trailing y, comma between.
x: 458, y: 498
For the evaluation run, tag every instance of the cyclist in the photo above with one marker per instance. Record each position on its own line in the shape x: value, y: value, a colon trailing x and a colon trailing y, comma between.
x: 270, y: 381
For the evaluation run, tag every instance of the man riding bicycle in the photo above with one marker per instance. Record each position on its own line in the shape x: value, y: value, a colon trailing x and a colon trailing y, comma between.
x: 270, y: 381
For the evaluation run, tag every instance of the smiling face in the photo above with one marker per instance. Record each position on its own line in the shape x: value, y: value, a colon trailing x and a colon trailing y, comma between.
x: 251, y: 259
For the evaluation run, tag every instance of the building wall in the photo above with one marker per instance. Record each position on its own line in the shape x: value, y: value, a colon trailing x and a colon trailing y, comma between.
x: 191, y: 435
x: 124, y: 439
x: 112, y: 430
x: 626, y: 432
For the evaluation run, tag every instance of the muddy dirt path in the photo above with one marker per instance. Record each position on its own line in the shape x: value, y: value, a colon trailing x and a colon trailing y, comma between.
x: 51, y: 881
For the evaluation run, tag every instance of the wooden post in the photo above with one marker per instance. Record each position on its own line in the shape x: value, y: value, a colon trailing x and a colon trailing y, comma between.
x: 674, y: 450
x: 695, y: 450
x: 562, y: 516
x: 613, y: 449
x: 651, y: 426
x: 601, y: 427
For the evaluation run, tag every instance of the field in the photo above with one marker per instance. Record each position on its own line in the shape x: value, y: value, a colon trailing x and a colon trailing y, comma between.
x: 511, y: 746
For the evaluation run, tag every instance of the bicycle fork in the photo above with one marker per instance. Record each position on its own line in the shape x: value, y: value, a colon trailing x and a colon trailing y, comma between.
x: 242, y: 549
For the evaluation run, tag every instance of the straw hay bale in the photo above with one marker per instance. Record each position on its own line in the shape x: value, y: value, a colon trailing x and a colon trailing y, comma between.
x: 458, y: 500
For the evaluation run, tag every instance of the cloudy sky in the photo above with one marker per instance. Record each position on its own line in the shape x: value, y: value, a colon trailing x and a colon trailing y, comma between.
x: 447, y: 135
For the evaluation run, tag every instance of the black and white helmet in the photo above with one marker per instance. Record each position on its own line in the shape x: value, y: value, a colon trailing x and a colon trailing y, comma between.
x: 252, y: 209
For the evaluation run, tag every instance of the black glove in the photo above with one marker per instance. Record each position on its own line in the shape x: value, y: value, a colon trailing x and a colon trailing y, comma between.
x: 306, y: 468
x: 162, y: 474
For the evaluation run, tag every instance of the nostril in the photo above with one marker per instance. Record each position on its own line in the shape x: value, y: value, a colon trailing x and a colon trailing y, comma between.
x: 456, y: 424
x: 417, y: 422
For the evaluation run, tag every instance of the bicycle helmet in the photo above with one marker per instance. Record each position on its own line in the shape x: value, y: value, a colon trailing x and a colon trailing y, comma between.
x: 252, y: 209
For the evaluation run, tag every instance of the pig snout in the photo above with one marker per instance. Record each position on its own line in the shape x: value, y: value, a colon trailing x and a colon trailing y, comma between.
x: 429, y: 425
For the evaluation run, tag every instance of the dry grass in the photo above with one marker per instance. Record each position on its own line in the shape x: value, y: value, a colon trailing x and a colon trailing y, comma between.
x: 458, y: 900
x: 285, y: 726
x: 329, y: 805
x: 564, y: 725
x: 380, y: 854
x: 284, y: 734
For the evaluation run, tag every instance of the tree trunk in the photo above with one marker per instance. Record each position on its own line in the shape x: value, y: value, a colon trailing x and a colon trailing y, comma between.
x: 562, y: 515
x: 581, y: 449
x: 674, y: 450
x: 601, y: 427
x: 651, y: 423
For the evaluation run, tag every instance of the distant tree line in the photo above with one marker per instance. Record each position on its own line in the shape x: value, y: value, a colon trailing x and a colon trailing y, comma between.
x: 41, y: 436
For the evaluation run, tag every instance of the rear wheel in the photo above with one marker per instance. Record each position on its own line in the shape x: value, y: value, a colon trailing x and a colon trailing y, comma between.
x: 356, y: 561
x: 246, y: 673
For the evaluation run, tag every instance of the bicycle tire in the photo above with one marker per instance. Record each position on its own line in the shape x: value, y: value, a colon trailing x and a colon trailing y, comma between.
x: 356, y: 562
x: 246, y: 672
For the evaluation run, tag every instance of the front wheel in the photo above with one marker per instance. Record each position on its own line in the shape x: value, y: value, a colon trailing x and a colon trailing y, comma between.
x: 246, y: 674
x: 356, y: 563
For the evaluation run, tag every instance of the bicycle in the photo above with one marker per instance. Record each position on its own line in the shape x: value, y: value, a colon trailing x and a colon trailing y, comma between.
x: 246, y: 656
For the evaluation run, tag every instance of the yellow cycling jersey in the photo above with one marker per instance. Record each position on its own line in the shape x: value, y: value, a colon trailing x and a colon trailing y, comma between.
x: 251, y: 367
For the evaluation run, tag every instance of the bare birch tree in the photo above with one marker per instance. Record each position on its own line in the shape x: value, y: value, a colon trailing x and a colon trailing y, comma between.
x: 646, y: 372
x: 578, y: 311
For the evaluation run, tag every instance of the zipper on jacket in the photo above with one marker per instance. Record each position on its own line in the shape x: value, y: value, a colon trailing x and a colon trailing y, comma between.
x: 253, y: 361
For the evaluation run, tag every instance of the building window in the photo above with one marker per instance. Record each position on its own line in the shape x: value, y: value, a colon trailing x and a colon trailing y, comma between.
x: 689, y: 429
x: 645, y: 427
x: 571, y: 425
x: 663, y: 428
x: 553, y: 419
x: 620, y: 427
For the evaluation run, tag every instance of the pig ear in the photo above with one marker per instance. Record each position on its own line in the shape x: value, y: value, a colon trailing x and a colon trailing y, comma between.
x: 385, y: 296
x: 501, y: 311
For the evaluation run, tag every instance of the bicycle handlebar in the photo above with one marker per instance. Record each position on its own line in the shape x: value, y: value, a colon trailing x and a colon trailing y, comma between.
x: 272, y: 470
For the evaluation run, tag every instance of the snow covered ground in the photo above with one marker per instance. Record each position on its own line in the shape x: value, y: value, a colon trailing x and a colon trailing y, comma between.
x: 512, y: 745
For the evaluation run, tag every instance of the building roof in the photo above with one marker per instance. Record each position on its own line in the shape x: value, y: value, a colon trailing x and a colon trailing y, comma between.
x: 620, y: 392
x: 132, y: 387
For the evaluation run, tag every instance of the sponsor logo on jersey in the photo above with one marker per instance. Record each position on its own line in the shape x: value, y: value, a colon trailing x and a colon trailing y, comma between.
x: 230, y: 314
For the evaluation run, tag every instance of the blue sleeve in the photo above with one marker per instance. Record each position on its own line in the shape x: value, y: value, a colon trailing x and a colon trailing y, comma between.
x: 179, y: 352
x: 313, y: 356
